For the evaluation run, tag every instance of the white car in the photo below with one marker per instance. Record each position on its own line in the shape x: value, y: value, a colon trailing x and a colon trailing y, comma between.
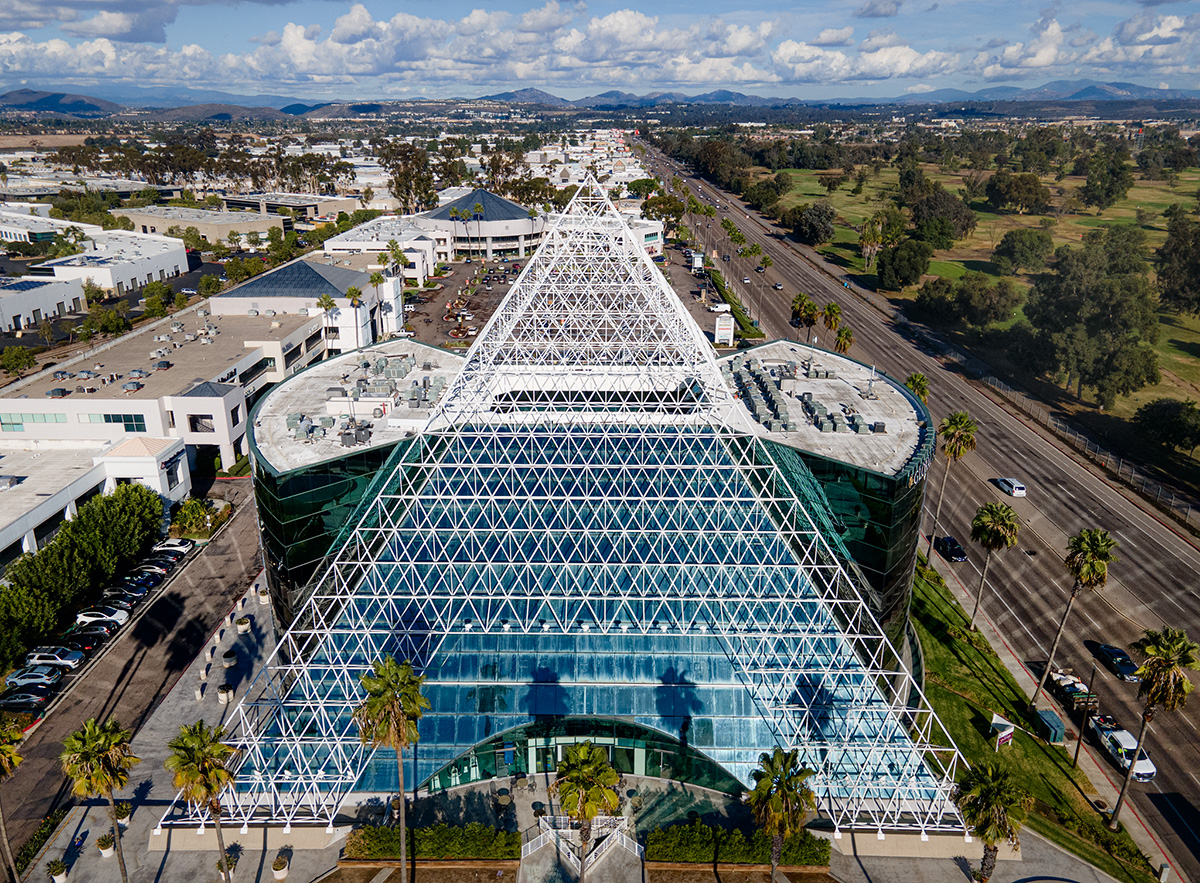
x: 40, y: 675
x: 745, y: 280
x: 1011, y: 486
x: 1120, y: 745
x: 102, y: 613
x: 59, y: 656
x: 181, y: 545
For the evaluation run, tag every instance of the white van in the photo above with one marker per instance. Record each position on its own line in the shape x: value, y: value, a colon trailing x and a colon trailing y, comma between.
x: 719, y: 308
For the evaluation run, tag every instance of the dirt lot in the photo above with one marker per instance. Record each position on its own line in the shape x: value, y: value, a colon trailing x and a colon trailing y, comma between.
x: 428, y: 319
x: 21, y: 142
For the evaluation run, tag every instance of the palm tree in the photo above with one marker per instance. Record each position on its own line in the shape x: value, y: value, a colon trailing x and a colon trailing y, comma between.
x: 781, y: 798
x: 1089, y: 553
x: 843, y: 341
x: 328, y: 305
x: 585, y: 784
x: 958, y: 440
x: 1169, y: 654
x: 454, y: 216
x: 10, y: 740
x: 994, y: 527
x: 477, y: 211
x: 387, y: 718
x: 198, y: 761
x: 808, y: 313
x: 97, y: 760
x: 354, y: 295
x: 993, y: 806
x: 832, y: 314
x: 918, y: 385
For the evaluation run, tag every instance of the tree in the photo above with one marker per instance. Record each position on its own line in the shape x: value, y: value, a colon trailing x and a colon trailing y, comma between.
x: 941, y: 205
x: 1089, y: 553
x: 354, y: 296
x: 903, y: 264
x: 209, y: 285
x: 97, y: 760
x: 585, y: 784
x: 994, y: 807
x: 234, y: 238
x: 477, y: 213
x: 980, y: 302
x: 957, y: 432
x: 1178, y: 262
x: 1169, y: 655
x: 918, y: 385
x: 815, y: 225
x: 1024, y: 192
x: 806, y: 311
x: 843, y: 341
x: 1169, y: 422
x: 387, y: 718
x: 327, y: 305
x: 666, y: 208
x: 410, y: 178
x: 366, y: 197
x: 10, y: 741
x: 1109, y: 178
x: 155, y: 308
x: 16, y: 360
x: 781, y: 798
x: 832, y: 316
x: 197, y: 763
x: 995, y: 527
x: 181, y: 300
x: 1023, y: 248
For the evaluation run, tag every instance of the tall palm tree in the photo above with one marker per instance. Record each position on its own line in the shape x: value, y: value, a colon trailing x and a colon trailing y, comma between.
x: 832, y: 315
x: 10, y: 740
x: 918, y: 385
x: 781, y: 798
x: 387, y: 718
x: 1089, y: 553
x: 843, y: 341
x: 994, y: 807
x: 477, y: 211
x: 585, y: 784
x: 376, y: 280
x: 1164, y: 682
x: 97, y: 760
x: 808, y: 314
x: 354, y: 295
x: 197, y: 762
x: 327, y: 305
x: 958, y: 439
x: 994, y: 527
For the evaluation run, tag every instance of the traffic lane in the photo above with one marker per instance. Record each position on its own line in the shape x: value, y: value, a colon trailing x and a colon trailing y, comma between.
x: 140, y: 668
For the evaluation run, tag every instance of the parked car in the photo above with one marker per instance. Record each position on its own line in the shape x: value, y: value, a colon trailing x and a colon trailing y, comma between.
x: 120, y: 601
x: 141, y: 578
x: 83, y: 640
x: 172, y: 555
x: 950, y: 549
x: 1120, y: 745
x: 175, y: 545
x: 188, y: 291
x: 60, y: 656
x: 1011, y: 486
x: 152, y: 567
x: 1118, y: 662
x: 131, y: 590
x: 40, y: 675
x: 102, y: 613
x: 25, y: 698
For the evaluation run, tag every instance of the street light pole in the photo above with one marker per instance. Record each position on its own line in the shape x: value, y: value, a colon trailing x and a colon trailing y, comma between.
x: 1087, y: 716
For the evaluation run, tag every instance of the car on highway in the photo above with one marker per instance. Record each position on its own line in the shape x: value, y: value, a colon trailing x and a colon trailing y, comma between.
x: 1118, y: 662
x: 745, y: 280
x: 950, y: 549
x: 25, y: 698
x: 1119, y: 744
x: 64, y: 657
x: 39, y: 675
x: 175, y: 545
x: 102, y: 613
x: 779, y: 286
x: 1011, y: 486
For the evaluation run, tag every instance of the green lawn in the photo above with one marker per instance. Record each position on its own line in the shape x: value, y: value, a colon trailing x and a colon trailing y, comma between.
x: 966, y: 684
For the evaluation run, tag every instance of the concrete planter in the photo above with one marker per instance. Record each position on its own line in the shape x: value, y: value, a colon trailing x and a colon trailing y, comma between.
x: 243, y: 625
x: 263, y: 598
x: 280, y: 874
x: 59, y: 878
x: 224, y: 694
x: 107, y: 853
x: 229, y: 659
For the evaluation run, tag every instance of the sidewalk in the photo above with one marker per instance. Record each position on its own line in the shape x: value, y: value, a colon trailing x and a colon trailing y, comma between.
x: 1106, y: 786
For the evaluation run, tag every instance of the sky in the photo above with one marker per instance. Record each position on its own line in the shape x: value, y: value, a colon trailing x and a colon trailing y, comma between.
x: 321, y: 50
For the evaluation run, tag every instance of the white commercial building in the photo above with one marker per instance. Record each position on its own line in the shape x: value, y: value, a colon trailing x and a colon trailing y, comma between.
x: 27, y: 300
x: 422, y: 244
x: 26, y: 227
x: 119, y: 261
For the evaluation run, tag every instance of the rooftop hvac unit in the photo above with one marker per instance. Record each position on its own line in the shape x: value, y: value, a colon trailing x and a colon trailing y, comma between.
x: 251, y: 313
x: 7, y: 481
x: 269, y: 313
x: 303, y: 311
x: 201, y: 313
x: 206, y: 340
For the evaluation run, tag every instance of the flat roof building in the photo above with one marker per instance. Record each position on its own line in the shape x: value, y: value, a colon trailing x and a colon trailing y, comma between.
x: 26, y: 227
x: 120, y: 262
x: 27, y: 300
x: 212, y: 226
x: 303, y: 205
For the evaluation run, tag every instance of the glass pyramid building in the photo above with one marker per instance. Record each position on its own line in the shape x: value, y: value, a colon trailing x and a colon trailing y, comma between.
x: 588, y: 541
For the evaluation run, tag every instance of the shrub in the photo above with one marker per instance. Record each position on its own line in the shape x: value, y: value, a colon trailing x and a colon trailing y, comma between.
x: 474, y: 841
x: 704, y: 844
x: 55, y: 867
x: 105, y: 841
x: 279, y: 864
x: 37, y: 840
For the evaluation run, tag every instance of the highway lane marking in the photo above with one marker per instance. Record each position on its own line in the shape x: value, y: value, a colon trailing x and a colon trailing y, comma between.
x: 1188, y: 721
x: 1167, y: 799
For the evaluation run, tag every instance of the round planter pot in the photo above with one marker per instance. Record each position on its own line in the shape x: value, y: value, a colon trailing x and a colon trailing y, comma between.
x: 223, y: 696
x: 229, y: 660
x: 123, y: 823
x: 59, y: 878
x: 107, y: 853
x: 264, y: 599
x: 243, y: 627
x: 279, y: 875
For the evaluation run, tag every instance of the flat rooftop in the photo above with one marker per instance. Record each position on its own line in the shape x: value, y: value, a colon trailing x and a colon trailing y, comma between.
x: 191, y: 361
x: 38, y: 224
x: 299, y: 199
x: 191, y: 215
x: 40, y: 474
x: 114, y: 247
x: 308, y: 395
x: 853, y: 392
x: 380, y: 231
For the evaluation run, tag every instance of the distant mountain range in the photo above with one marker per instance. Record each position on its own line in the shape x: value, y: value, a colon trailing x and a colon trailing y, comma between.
x: 199, y: 104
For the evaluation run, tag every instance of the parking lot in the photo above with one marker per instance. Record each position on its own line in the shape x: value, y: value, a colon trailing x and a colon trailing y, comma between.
x: 466, y: 284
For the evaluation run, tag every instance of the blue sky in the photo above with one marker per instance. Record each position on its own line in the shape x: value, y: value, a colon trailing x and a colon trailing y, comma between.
x: 767, y: 47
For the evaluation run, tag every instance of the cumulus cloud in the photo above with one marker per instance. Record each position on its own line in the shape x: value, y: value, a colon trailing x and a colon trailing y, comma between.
x: 1042, y: 50
x: 835, y: 37
x: 1150, y: 28
x: 805, y: 63
x: 878, y: 9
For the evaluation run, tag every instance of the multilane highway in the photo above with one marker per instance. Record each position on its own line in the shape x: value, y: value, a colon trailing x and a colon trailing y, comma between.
x: 1153, y: 583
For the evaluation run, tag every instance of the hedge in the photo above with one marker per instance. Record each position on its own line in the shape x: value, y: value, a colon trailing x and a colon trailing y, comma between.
x: 475, y: 841
x: 704, y: 844
x: 28, y: 852
x: 745, y: 325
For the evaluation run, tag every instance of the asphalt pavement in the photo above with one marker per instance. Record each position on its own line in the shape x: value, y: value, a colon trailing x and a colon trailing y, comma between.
x: 1151, y: 585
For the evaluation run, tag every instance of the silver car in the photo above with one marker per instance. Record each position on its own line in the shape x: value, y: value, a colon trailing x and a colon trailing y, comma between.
x: 34, y: 675
x: 58, y: 656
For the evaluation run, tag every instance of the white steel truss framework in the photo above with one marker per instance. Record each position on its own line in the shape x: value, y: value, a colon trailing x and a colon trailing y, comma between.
x: 564, y: 539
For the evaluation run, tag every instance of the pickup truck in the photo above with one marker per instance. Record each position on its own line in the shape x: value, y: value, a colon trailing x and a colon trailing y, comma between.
x: 1119, y: 745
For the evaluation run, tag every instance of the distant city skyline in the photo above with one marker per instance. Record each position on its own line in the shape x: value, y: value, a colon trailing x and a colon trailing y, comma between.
x: 320, y: 50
